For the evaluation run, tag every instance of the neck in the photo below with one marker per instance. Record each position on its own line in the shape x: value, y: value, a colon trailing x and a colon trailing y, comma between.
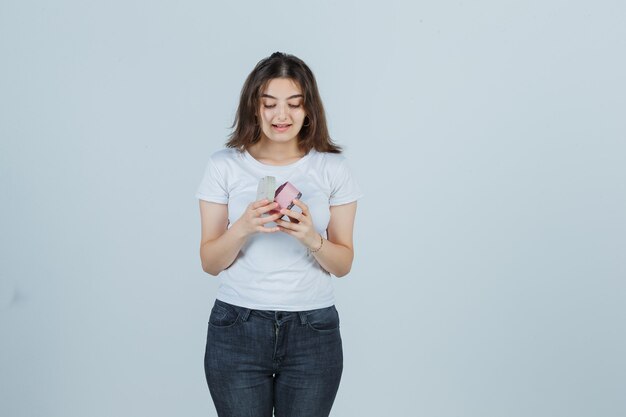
x: 275, y: 153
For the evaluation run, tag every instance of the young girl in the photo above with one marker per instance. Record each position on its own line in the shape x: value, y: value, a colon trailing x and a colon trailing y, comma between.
x: 273, y: 342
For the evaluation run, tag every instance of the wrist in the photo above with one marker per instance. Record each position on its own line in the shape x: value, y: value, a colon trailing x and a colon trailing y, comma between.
x: 317, y: 244
x: 239, y: 231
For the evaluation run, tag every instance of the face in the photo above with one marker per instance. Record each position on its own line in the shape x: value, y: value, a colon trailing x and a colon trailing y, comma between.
x: 282, y: 112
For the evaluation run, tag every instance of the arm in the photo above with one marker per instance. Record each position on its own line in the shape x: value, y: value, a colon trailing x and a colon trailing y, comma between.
x: 337, y: 251
x: 220, y: 245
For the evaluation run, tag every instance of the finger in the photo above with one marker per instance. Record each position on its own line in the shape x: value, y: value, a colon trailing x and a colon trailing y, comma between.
x: 264, y: 209
x: 269, y: 219
x: 303, y: 207
x: 285, y: 230
x: 288, y: 225
x: 263, y: 229
x: 259, y: 203
x: 293, y: 214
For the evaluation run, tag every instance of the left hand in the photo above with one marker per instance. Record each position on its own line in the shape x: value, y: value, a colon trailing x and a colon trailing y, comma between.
x: 300, y: 225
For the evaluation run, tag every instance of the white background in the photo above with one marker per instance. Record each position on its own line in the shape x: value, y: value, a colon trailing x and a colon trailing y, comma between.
x: 489, y: 138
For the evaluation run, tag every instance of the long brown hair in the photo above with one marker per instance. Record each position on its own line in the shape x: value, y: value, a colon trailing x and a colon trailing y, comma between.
x: 246, y: 128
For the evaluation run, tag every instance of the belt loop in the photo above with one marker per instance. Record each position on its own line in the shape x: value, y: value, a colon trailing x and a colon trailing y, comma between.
x: 244, y: 314
x: 303, y: 317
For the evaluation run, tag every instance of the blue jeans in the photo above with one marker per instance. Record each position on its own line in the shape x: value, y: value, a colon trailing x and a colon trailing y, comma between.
x: 257, y: 361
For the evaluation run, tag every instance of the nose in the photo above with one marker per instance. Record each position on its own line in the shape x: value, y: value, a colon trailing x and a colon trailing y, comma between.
x: 282, y: 111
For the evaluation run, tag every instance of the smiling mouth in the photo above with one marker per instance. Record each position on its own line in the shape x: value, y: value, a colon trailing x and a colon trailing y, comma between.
x: 281, y: 126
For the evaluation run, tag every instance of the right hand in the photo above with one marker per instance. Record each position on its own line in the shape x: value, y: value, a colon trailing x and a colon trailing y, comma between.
x: 251, y: 221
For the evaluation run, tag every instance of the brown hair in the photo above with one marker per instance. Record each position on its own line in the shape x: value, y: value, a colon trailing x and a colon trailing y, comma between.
x: 314, y: 132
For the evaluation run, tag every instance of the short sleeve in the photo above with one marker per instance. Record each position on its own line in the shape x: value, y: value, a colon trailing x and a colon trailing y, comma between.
x: 212, y: 187
x: 344, y: 187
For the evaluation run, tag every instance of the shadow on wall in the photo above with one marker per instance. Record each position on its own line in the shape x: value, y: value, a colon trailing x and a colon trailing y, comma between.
x: 9, y: 296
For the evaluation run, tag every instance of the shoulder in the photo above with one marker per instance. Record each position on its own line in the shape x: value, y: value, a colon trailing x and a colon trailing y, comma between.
x: 226, y: 159
x: 328, y: 161
x: 225, y: 155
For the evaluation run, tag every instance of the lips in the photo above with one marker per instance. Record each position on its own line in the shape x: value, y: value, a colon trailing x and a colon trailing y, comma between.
x: 281, y: 127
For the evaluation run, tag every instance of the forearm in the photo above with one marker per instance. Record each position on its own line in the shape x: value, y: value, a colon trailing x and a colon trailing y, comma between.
x: 334, y: 258
x: 218, y: 254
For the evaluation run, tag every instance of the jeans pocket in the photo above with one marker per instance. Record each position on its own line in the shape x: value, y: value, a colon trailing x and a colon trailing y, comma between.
x: 223, y: 315
x: 324, y: 319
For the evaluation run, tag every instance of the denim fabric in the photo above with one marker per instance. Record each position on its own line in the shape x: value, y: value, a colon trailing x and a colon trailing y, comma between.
x: 259, y: 361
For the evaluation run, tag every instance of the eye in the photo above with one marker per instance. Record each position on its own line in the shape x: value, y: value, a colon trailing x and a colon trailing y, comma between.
x: 269, y: 106
x: 295, y: 106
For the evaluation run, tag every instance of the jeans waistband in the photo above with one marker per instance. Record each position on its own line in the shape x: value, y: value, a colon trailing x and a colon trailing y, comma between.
x: 274, y: 315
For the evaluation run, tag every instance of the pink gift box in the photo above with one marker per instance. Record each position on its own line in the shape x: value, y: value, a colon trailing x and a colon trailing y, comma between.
x: 285, y: 194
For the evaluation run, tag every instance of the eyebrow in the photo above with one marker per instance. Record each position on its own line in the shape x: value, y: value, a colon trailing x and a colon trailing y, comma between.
x: 288, y: 98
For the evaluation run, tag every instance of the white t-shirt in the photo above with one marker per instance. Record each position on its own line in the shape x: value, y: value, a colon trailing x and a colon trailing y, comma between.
x: 274, y: 271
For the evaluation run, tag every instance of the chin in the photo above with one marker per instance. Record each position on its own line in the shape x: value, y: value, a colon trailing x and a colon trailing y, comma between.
x: 281, y: 139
